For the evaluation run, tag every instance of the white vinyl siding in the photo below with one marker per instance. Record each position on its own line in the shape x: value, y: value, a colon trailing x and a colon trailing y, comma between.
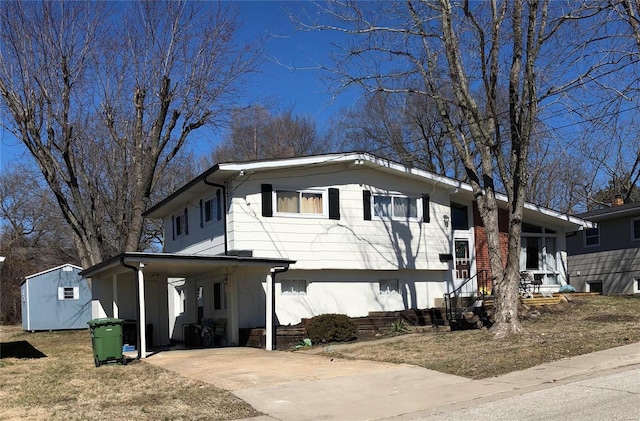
x: 349, y: 243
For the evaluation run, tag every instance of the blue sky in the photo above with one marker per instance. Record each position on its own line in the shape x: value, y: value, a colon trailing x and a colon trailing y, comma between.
x: 287, y: 78
x: 291, y: 57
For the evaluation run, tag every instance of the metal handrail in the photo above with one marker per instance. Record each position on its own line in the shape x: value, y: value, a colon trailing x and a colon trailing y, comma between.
x: 481, y: 292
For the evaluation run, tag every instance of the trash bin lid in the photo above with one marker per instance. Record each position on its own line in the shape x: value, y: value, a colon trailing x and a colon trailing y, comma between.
x: 104, y: 321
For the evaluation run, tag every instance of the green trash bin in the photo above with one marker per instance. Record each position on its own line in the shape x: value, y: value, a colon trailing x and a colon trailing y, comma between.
x: 106, y: 339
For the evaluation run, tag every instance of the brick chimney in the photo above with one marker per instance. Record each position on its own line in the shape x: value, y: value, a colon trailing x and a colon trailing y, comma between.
x: 617, y: 201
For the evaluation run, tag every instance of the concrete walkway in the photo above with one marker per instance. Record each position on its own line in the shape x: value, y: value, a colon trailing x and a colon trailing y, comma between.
x: 303, y: 386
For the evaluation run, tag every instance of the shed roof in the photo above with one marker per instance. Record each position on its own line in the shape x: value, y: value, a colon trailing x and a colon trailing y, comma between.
x: 52, y: 270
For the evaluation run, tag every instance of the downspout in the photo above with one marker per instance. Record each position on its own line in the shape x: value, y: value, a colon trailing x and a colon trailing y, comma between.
x: 135, y: 274
x: 271, y: 307
x: 224, y: 211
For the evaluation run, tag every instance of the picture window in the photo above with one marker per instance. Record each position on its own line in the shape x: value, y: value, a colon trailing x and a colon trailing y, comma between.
x: 300, y: 202
x: 395, y: 207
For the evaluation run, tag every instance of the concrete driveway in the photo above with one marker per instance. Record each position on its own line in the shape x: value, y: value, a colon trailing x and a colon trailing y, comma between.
x: 245, y: 368
x: 303, y: 386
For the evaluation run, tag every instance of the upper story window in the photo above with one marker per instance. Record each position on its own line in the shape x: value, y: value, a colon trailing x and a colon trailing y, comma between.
x: 302, y: 202
x: 306, y: 203
x: 395, y: 207
x: 635, y: 229
x: 211, y: 209
x: 180, y: 224
x: 180, y: 227
x: 591, y: 237
x: 459, y: 217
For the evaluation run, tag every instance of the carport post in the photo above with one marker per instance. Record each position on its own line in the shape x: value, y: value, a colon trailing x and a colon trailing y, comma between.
x: 271, y: 307
x: 114, y: 302
x: 270, y: 346
x: 141, y: 315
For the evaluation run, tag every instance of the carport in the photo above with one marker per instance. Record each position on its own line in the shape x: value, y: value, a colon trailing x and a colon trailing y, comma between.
x: 144, y: 276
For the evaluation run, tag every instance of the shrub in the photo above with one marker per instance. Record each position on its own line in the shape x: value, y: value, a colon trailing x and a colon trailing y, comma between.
x: 399, y: 326
x: 331, y: 328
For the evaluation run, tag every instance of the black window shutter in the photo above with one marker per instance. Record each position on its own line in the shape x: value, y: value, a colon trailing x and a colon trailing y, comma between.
x: 201, y: 219
x: 219, y: 204
x: 334, y: 204
x: 267, y: 199
x: 173, y: 227
x: 366, y: 204
x: 186, y: 222
x: 425, y: 208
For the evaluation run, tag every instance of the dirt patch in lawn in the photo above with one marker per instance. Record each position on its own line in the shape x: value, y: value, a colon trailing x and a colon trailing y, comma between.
x: 63, y: 383
x: 581, y: 325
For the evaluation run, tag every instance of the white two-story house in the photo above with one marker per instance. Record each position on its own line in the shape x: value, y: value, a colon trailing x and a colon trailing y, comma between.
x: 269, y: 243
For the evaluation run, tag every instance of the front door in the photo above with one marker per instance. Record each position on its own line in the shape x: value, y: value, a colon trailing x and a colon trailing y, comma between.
x: 463, y: 260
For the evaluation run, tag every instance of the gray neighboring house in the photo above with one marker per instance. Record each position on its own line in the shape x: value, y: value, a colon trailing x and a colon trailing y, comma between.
x: 606, y: 259
x: 56, y: 299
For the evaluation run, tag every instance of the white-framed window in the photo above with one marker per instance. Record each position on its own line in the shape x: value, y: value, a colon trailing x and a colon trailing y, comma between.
x: 591, y: 237
x: 635, y: 229
x: 300, y: 202
x: 211, y: 209
x: 636, y: 285
x: 395, y: 207
x: 68, y: 293
x: 294, y: 287
x: 180, y: 224
x: 389, y: 286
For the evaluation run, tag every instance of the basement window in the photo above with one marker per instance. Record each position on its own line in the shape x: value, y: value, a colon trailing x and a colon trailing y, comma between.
x: 595, y: 286
x: 389, y: 286
x: 294, y: 287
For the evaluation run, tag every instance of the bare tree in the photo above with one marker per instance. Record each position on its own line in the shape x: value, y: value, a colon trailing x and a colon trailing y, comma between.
x: 33, y: 236
x: 465, y: 55
x: 402, y: 127
x: 256, y: 133
x: 105, y: 95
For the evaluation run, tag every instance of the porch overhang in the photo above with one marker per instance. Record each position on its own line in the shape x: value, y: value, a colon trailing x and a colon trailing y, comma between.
x: 183, y: 265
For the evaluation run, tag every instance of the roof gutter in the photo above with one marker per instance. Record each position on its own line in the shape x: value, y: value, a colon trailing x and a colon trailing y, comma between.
x: 224, y: 213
